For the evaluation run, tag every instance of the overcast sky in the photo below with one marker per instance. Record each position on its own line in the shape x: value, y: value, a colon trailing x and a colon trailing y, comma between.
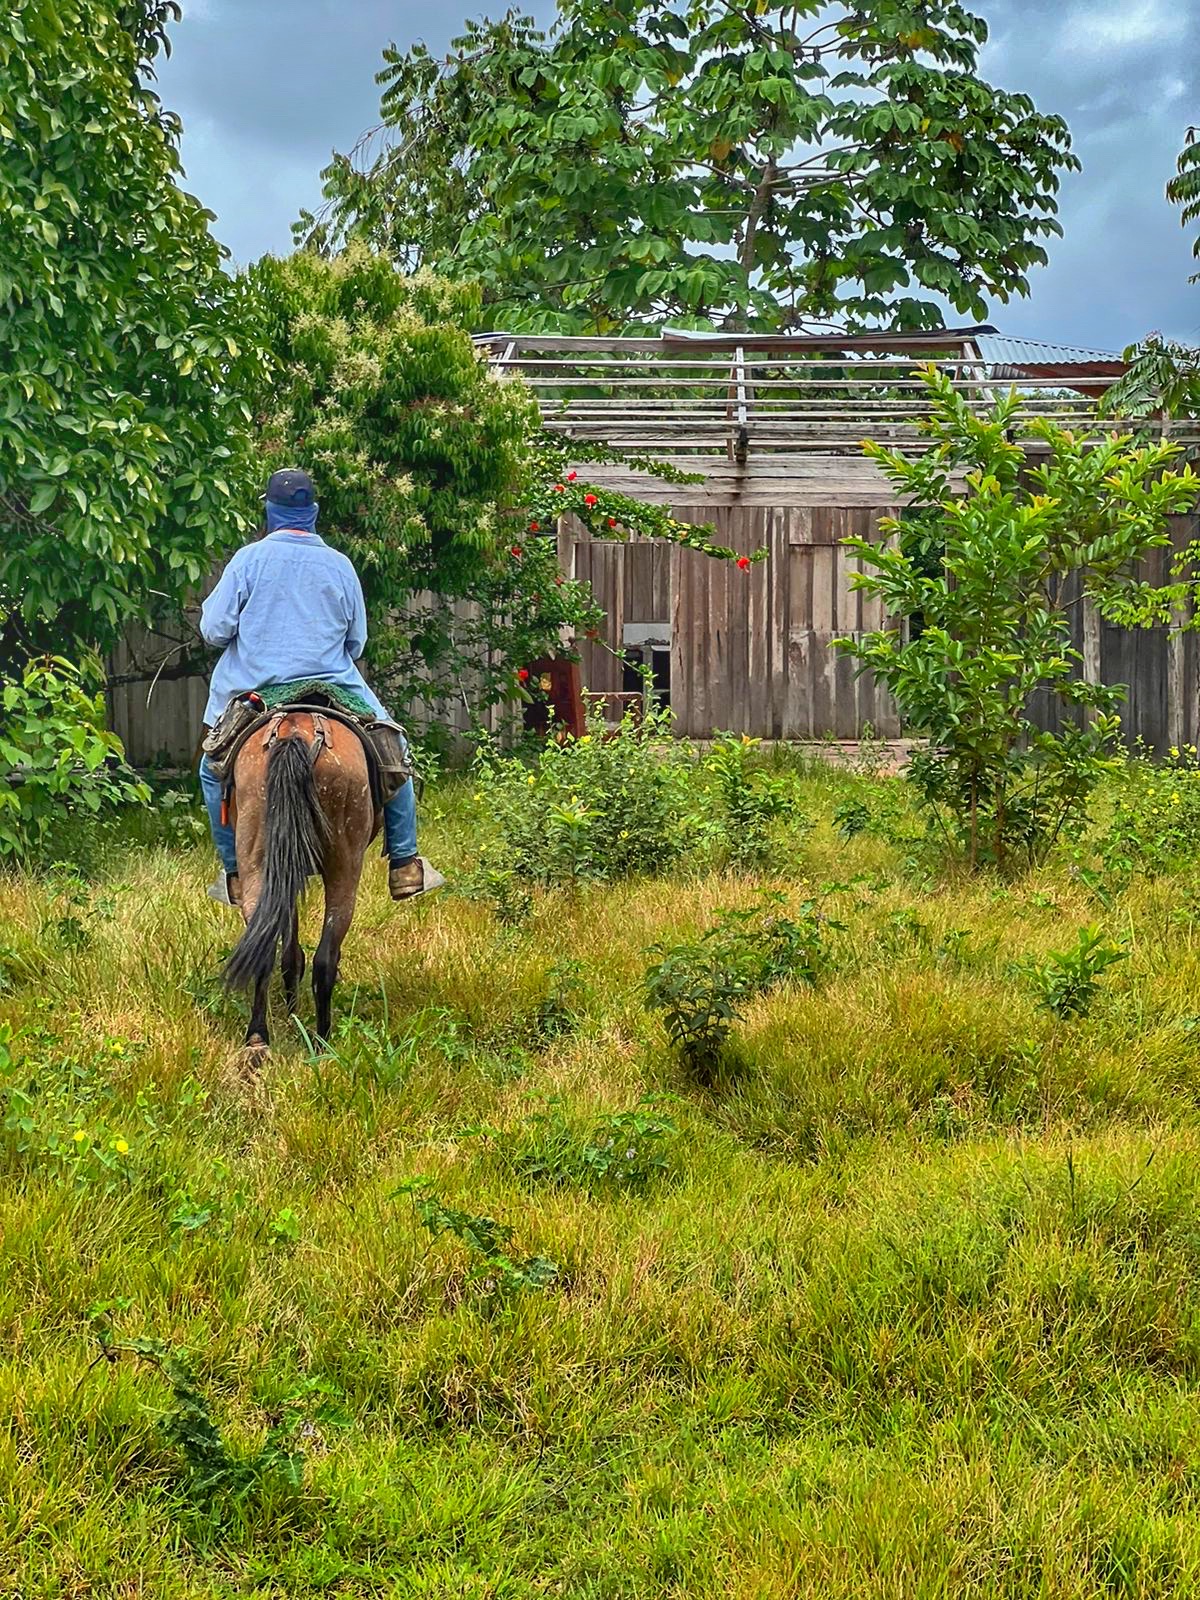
x: 267, y: 88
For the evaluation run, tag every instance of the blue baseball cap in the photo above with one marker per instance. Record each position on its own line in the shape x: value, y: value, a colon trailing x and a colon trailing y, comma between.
x: 291, y: 487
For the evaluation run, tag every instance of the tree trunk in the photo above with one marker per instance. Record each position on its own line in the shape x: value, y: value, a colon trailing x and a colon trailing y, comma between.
x: 754, y: 216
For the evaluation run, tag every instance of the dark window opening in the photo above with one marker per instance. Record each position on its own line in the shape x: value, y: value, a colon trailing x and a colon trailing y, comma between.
x: 660, y: 666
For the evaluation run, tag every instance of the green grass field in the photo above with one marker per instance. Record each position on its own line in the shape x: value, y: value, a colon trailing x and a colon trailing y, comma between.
x: 904, y: 1303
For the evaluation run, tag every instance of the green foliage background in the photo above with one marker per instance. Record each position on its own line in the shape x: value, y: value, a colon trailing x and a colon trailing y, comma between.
x: 783, y: 163
x: 127, y: 353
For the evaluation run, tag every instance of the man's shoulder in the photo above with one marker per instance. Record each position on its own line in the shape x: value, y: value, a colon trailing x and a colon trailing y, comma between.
x: 239, y: 560
x: 271, y: 557
x: 343, y: 563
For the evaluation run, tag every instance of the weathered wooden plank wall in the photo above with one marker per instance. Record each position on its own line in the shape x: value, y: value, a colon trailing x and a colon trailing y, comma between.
x: 1160, y: 668
x: 158, y: 722
x: 750, y: 651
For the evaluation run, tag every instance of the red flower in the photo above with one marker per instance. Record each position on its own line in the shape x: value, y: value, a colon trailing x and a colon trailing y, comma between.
x: 571, y: 476
x: 612, y: 522
x: 744, y: 563
x: 560, y: 488
x: 533, y: 527
x: 522, y: 674
x: 515, y: 551
x: 589, y: 499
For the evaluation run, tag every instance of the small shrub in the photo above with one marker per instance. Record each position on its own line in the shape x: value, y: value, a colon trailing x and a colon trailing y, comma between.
x: 619, y: 1151
x: 178, y: 822
x: 599, y: 807
x: 498, y: 887
x: 218, y: 1479
x: 985, y: 592
x: 61, y: 1110
x: 751, y: 799
x: 284, y: 1228
x: 903, y: 932
x: 56, y: 756
x: 702, y: 986
x: 1068, y: 981
x: 880, y: 808
x: 494, y: 1269
x: 214, y: 1206
x: 558, y: 1012
x: 1155, y: 824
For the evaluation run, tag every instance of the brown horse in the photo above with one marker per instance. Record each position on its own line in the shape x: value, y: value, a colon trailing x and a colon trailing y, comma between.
x: 303, y: 806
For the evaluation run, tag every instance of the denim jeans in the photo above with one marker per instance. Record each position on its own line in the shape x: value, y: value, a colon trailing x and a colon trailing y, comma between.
x: 399, y: 821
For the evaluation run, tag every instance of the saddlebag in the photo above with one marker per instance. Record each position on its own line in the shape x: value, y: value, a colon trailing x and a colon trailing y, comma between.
x: 226, y: 737
x: 386, y: 743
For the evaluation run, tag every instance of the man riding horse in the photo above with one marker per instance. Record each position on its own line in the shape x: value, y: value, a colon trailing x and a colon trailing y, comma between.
x: 290, y: 609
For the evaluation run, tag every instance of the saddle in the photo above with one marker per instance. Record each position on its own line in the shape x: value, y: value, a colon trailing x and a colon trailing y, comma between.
x: 246, y: 714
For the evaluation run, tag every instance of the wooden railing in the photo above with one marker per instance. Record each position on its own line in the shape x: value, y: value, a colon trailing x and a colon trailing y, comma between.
x: 734, y: 400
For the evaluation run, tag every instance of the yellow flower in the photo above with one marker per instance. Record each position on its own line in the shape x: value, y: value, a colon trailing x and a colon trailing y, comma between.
x: 531, y: 780
x: 79, y: 1136
x: 121, y: 1146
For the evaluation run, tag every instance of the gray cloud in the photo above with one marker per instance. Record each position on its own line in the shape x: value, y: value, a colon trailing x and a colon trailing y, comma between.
x: 1123, y: 73
x: 267, y: 88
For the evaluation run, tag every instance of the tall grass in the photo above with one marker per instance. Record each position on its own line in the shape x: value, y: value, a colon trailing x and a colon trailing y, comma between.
x: 908, y: 1308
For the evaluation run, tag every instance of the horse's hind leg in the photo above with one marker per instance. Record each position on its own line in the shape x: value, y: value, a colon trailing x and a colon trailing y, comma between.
x: 292, y: 961
x: 257, y: 1036
x: 339, y: 913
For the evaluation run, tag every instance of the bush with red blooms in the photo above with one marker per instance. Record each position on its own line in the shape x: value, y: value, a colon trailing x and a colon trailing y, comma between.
x: 556, y: 487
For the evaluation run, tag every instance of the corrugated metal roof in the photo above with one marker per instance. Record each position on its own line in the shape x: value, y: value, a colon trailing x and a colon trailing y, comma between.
x: 1005, y: 355
x: 999, y: 350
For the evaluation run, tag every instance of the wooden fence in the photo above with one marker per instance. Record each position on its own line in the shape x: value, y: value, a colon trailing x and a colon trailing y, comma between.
x: 160, y: 720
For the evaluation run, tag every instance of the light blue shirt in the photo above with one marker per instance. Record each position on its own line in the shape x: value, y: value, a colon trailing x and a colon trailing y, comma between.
x: 288, y: 607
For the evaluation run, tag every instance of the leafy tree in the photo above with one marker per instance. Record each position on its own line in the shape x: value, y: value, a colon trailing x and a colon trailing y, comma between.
x: 434, y: 476
x: 1184, y: 189
x: 995, y: 617
x: 126, y: 352
x: 756, y: 166
x: 1163, y: 380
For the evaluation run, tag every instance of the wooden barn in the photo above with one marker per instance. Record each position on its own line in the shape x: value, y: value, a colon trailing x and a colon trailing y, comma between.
x: 772, y: 426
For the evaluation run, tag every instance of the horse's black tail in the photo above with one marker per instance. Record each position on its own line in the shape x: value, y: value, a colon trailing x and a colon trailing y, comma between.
x: 296, y: 831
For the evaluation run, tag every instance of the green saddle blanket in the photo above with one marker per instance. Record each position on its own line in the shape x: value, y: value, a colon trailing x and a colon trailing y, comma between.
x: 301, y: 690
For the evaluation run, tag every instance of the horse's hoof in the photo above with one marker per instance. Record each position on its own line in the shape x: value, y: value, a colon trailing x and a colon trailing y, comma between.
x: 244, y: 1074
x: 246, y: 1065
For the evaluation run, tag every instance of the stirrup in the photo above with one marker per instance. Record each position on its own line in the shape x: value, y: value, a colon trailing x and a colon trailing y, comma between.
x: 219, y: 891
